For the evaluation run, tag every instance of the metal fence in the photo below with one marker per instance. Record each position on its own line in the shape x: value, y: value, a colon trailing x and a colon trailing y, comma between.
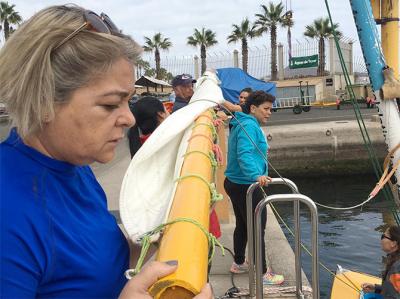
x: 259, y: 60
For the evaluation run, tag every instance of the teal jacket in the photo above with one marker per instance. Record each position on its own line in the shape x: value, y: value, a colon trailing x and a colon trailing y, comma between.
x: 245, y: 163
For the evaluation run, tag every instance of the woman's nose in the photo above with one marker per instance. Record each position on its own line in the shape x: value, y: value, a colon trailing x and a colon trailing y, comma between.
x: 126, y: 118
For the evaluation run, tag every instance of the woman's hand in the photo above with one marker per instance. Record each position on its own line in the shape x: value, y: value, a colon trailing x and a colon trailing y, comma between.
x: 368, y: 287
x: 263, y: 180
x: 137, y: 287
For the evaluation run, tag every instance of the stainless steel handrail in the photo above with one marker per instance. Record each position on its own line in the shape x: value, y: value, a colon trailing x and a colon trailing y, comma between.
x: 314, y: 238
x: 250, y: 239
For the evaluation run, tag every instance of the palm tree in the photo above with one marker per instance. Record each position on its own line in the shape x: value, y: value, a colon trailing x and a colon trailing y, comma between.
x: 242, y: 32
x: 268, y: 21
x: 321, y: 29
x: 157, y: 43
x: 141, y: 66
x: 8, y: 16
x: 204, y: 39
x: 287, y: 22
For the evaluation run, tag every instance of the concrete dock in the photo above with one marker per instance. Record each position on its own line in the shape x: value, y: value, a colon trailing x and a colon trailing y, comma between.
x: 331, y: 148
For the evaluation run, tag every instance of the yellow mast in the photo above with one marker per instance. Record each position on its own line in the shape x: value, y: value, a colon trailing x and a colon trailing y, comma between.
x: 390, y: 33
x: 376, y: 9
x: 185, y: 241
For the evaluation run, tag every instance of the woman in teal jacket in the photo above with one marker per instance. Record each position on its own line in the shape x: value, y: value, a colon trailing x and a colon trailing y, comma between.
x: 246, y: 166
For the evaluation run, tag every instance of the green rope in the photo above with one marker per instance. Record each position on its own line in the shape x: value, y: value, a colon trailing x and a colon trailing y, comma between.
x: 215, y: 196
x: 145, y: 240
x: 213, y: 114
x: 212, y: 128
x: 215, y: 133
x: 364, y: 133
x: 210, y: 156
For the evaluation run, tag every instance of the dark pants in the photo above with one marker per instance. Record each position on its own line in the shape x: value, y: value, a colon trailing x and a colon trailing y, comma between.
x: 237, y: 194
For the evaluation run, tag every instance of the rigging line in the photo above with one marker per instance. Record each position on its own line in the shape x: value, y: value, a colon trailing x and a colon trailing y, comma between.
x: 357, y: 111
x: 375, y: 163
x: 276, y: 171
x: 364, y: 132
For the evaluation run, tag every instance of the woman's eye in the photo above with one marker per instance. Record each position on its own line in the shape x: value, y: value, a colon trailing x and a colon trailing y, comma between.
x: 110, y: 107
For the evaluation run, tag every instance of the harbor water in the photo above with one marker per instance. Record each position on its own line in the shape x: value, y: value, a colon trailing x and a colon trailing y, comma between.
x: 349, y: 238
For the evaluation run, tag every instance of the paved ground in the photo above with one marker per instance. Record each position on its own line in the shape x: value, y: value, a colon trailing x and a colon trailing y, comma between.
x: 318, y: 114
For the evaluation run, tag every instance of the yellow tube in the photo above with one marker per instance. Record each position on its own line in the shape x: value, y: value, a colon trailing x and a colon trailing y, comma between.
x: 376, y: 8
x: 184, y: 241
x: 390, y: 34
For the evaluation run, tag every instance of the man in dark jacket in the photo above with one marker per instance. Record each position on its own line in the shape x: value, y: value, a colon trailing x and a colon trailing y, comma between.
x: 183, y: 88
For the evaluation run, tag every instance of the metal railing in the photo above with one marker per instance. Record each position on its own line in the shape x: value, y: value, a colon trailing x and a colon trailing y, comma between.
x: 296, y: 198
x: 292, y: 101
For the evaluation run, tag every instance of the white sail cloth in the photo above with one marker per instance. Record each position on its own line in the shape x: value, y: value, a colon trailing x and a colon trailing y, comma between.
x: 390, y: 119
x: 149, y: 184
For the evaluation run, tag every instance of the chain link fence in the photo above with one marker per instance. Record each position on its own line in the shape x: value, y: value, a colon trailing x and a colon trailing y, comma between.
x: 259, y: 60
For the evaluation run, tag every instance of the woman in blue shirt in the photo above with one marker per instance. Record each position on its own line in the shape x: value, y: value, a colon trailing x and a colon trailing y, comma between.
x: 66, y: 76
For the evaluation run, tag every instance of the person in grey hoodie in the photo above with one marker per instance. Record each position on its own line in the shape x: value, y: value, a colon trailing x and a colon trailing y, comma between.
x: 246, y: 165
x: 390, y: 287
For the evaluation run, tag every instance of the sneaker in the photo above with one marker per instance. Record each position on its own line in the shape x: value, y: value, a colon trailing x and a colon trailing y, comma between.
x: 242, y: 268
x: 270, y: 278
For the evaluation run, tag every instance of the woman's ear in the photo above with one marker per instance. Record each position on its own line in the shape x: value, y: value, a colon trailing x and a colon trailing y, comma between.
x: 161, y: 116
x: 252, y: 109
x: 395, y: 245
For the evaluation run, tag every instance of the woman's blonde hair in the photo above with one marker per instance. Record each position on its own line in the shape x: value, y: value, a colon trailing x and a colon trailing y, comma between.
x: 34, y: 76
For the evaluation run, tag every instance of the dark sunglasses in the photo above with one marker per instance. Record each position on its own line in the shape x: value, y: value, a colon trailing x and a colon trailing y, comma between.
x: 93, y: 22
x: 383, y: 236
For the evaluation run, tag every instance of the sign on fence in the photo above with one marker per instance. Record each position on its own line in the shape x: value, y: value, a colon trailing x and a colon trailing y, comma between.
x: 303, y: 62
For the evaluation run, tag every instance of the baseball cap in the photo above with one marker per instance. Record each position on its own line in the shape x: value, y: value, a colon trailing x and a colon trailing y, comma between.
x: 182, y: 80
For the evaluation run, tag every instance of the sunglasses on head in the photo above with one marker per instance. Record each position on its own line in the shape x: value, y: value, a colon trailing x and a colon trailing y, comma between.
x: 383, y: 236
x: 93, y: 22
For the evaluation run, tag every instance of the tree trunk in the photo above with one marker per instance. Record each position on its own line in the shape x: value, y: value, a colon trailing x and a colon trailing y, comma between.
x: 203, y: 56
x: 245, y: 55
x: 6, y: 29
x: 321, y: 53
x: 274, y: 69
x: 157, y: 56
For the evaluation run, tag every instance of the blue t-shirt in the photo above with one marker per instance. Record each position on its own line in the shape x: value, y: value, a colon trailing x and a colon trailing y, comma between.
x: 58, y: 239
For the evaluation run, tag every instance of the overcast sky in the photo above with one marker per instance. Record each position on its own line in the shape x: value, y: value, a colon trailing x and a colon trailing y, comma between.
x: 176, y: 19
